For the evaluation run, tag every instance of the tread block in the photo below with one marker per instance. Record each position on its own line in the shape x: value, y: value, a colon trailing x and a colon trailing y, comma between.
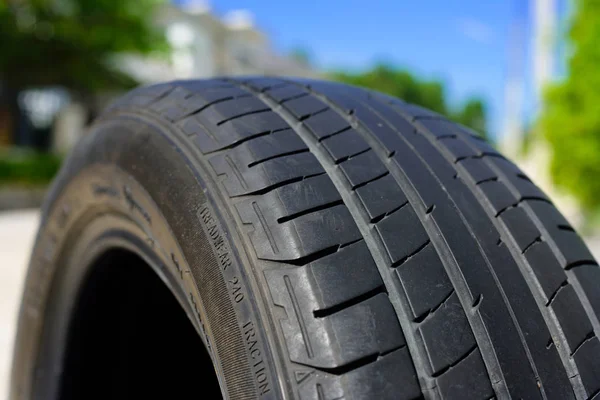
x: 546, y: 268
x: 344, y: 275
x: 263, y: 83
x: 182, y: 101
x: 526, y: 188
x: 567, y: 307
x: 520, y: 227
x: 589, y: 279
x: 436, y: 127
x: 506, y: 166
x: 325, y: 124
x: 413, y: 111
x: 362, y: 168
x: 266, y: 147
x: 466, y: 380
x: 497, y: 195
x: 402, y: 234
x: 345, y: 144
x: 309, y: 233
x: 231, y: 132
x: 548, y: 214
x: 302, y: 196
x: 447, y: 334
x: 335, y: 340
x: 424, y: 280
x: 283, y: 93
x: 304, y: 106
x: 421, y: 180
x: 376, y: 122
x: 572, y: 247
x: 391, y: 377
x: 224, y: 111
x: 477, y: 170
x: 381, y: 196
x: 475, y: 140
x: 142, y: 96
x: 241, y: 180
x: 358, y: 328
x: 457, y: 149
x: 586, y: 358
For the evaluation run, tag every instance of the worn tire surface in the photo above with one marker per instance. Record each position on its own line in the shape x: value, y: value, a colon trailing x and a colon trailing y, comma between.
x: 389, y: 253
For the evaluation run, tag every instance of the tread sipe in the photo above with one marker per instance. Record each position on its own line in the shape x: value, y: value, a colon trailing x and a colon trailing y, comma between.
x: 403, y: 257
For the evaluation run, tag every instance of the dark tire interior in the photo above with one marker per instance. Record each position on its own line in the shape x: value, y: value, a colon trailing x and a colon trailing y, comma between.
x: 130, y: 338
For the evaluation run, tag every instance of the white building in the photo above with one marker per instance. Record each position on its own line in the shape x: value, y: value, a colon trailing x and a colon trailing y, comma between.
x: 203, y: 46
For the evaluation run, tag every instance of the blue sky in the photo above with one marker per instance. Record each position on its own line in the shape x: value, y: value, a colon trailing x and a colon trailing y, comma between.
x: 462, y: 42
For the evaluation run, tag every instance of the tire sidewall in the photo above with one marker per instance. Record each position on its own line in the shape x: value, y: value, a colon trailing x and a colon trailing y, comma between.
x: 133, y: 169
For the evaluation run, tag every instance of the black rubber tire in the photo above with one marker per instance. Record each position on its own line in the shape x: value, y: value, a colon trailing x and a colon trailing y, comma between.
x: 342, y: 244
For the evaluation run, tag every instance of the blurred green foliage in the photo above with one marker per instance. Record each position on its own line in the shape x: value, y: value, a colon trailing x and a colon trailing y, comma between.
x: 429, y: 94
x: 571, y: 118
x: 27, y: 167
x: 70, y: 42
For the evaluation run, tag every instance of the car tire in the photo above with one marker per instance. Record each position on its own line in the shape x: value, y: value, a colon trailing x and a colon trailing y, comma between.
x: 326, y: 241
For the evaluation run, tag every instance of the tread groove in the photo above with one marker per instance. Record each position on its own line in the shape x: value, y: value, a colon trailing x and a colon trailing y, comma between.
x: 346, y: 158
x: 277, y: 185
x: 262, y: 110
x: 387, y: 214
x: 587, y: 338
x: 312, y: 210
x: 553, y: 296
x: 386, y: 173
x: 334, y: 134
x: 265, y: 226
x: 429, y: 313
x: 301, y: 322
x: 288, y: 153
x: 454, y: 364
x: 325, y: 312
x: 414, y: 253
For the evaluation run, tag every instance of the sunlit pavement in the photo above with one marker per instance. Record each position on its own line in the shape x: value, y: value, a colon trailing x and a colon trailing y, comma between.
x: 17, y: 231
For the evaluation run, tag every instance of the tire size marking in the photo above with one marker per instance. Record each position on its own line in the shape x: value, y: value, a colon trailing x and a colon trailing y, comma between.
x: 214, y: 234
x: 236, y: 289
x: 258, y: 367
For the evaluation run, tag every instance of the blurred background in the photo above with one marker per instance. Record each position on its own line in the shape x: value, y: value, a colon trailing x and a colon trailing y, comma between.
x: 523, y: 73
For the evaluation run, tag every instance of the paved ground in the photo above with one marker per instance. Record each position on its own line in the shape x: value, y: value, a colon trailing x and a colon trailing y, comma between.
x: 17, y: 231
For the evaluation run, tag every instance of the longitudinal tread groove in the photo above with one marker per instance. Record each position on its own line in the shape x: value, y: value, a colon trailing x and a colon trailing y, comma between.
x: 305, y: 336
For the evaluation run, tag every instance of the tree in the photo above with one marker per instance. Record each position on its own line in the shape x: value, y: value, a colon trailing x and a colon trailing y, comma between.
x: 71, y: 43
x: 570, y: 121
x: 429, y: 94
